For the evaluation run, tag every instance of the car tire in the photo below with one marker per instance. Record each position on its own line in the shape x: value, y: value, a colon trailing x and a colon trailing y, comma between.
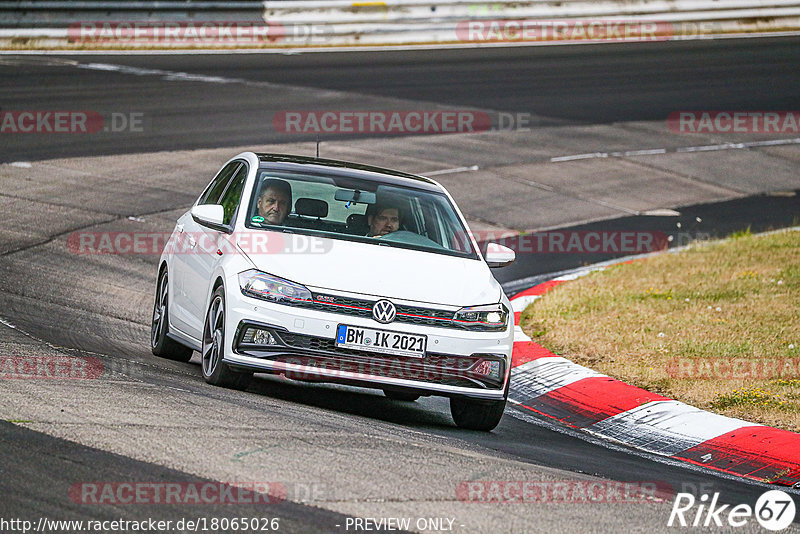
x: 400, y: 395
x: 216, y: 371
x: 160, y: 343
x: 474, y: 414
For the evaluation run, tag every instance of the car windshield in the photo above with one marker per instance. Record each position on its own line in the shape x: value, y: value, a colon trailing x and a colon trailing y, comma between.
x: 344, y: 207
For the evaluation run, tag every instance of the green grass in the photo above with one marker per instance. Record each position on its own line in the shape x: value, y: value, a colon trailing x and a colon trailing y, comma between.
x: 691, y: 325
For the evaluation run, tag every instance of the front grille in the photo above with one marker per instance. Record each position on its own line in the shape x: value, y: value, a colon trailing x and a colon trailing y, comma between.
x: 308, y: 342
x: 342, y: 305
x: 363, y: 308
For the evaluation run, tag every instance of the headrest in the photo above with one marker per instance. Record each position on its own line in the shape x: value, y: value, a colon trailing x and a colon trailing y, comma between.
x: 311, y: 207
x: 356, y: 220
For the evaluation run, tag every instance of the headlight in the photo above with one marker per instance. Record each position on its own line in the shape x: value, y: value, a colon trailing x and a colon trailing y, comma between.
x: 493, y: 317
x: 267, y: 287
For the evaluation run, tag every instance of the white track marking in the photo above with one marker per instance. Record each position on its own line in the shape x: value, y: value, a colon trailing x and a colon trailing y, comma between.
x: 543, y: 375
x: 166, y: 74
x: 3, y: 321
x: 520, y: 303
x: 662, y: 212
x: 591, y: 155
x: 451, y: 171
x: 665, y: 427
x: 543, y: 422
x: 679, y: 150
x: 519, y: 335
x: 645, y: 152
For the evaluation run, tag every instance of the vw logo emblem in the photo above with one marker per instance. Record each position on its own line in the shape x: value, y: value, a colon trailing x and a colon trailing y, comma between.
x: 383, y: 311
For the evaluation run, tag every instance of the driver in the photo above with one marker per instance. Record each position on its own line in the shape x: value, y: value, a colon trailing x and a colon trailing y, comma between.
x: 275, y: 200
x: 383, y: 220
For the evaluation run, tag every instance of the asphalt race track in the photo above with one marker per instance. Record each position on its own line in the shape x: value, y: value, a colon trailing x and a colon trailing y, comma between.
x: 556, y: 85
x: 337, y: 453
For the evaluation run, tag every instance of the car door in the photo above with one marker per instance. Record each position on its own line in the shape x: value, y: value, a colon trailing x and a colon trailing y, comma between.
x: 200, y: 266
x: 182, y: 314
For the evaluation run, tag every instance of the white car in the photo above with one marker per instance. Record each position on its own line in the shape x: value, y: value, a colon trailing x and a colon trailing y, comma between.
x: 324, y: 270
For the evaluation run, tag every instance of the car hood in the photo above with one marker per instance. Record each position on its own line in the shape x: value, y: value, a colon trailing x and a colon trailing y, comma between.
x: 379, y: 270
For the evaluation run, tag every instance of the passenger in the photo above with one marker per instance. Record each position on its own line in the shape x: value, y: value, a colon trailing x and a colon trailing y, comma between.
x: 275, y: 200
x: 383, y: 219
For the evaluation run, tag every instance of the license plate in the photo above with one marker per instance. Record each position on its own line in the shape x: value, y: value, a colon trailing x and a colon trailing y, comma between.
x: 369, y: 339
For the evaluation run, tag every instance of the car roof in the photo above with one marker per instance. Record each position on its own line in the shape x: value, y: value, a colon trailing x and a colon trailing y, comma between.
x: 345, y: 168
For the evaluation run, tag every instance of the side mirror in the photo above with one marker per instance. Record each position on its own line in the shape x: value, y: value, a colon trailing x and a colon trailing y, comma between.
x: 498, y: 255
x: 210, y: 215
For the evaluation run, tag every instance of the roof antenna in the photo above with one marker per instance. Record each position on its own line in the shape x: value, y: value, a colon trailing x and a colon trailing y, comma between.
x: 317, y: 146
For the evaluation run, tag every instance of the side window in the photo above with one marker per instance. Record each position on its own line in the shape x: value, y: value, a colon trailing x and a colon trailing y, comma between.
x: 233, y: 195
x: 217, y: 186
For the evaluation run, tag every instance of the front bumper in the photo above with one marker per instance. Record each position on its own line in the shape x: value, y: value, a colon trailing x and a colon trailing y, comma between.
x: 304, y: 349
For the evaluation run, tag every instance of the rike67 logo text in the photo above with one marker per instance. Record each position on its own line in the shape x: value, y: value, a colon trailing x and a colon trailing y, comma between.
x: 774, y: 510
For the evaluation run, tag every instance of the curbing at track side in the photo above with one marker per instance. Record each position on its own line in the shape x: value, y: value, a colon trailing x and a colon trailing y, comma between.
x: 582, y: 399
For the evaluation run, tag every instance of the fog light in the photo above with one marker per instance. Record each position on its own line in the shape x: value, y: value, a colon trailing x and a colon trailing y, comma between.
x: 488, y: 368
x: 264, y: 337
x: 259, y: 337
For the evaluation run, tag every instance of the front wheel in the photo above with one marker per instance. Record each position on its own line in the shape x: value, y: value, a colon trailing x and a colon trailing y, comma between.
x: 161, y: 344
x: 216, y: 371
x: 474, y: 414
